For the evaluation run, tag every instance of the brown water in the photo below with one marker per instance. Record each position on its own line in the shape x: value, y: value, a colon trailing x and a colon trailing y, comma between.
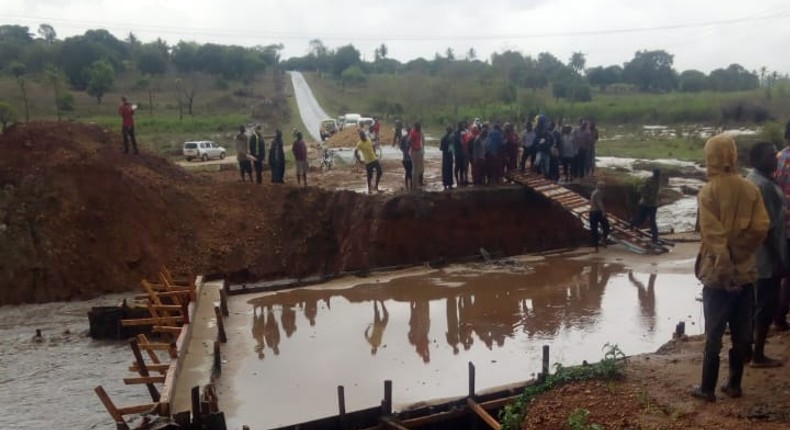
x: 419, y: 328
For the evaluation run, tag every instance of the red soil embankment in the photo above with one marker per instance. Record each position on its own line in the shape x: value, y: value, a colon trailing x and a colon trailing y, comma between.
x: 78, y: 217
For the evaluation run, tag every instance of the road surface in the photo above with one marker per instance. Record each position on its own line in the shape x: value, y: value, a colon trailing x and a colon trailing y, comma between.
x: 311, y: 112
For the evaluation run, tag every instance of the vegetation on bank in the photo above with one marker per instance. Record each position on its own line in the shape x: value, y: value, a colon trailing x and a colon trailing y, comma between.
x: 609, y: 368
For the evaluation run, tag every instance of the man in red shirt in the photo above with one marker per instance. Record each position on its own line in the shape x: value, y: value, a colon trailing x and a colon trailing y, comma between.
x: 126, y: 111
x: 417, y: 151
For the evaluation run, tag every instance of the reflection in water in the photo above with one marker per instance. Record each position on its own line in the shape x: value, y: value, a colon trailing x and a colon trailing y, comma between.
x: 375, y: 332
x: 647, y: 299
x: 490, y: 307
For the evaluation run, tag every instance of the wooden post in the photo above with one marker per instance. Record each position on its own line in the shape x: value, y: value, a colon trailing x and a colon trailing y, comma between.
x: 217, y: 357
x: 680, y: 329
x: 471, y: 380
x: 544, y: 373
x: 197, y: 416
x: 111, y: 409
x: 185, y: 311
x: 223, y: 301
x: 341, y: 406
x: 483, y: 414
x: 142, y: 369
x: 386, y: 405
x: 220, y: 325
x: 38, y: 333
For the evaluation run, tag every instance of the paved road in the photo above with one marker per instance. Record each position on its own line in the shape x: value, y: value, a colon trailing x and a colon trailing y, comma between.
x: 311, y: 111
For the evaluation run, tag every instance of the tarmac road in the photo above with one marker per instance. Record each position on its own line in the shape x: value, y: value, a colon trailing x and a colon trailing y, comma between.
x: 311, y: 112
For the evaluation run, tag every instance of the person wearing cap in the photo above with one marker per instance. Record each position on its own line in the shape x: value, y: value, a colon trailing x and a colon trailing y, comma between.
x: 242, y: 154
x: 126, y: 111
x: 258, y: 153
x: 300, y: 155
x: 733, y: 225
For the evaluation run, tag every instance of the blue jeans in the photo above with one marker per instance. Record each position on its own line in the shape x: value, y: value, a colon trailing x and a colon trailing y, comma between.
x: 646, y: 212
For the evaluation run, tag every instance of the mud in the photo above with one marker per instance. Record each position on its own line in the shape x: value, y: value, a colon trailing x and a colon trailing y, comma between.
x: 420, y: 327
x: 85, y: 219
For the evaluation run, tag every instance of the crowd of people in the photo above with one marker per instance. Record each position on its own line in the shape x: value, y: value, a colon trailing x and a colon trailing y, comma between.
x: 251, y: 154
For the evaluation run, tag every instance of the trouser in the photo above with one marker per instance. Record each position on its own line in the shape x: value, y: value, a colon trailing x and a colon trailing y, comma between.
x: 591, y: 160
x: 567, y: 167
x: 581, y: 163
x: 258, y: 165
x: 418, y: 168
x: 447, y: 168
x: 646, y: 212
x: 784, y: 301
x: 525, y: 153
x: 407, y: 168
x: 766, y: 301
x: 479, y: 171
x: 511, y: 159
x: 542, y: 161
x: 722, y: 307
x: 597, y: 218
x: 128, y: 134
x: 245, y: 166
x: 461, y: 174
x: 369, y: 168
x: 278, y: 171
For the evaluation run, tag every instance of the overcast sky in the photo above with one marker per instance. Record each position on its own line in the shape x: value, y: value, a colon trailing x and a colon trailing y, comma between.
x: 702, y: 34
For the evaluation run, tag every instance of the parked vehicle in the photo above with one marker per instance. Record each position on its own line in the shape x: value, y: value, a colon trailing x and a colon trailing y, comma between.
x: 351, y: 119
x: 203, y: 150
x: 328, y: 128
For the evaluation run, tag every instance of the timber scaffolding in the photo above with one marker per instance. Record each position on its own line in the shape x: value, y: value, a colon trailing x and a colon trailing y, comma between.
x: 577, y: 205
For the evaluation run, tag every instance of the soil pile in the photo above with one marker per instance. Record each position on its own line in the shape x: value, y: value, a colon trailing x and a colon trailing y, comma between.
x: 347, y: 137
x: 78, y: 217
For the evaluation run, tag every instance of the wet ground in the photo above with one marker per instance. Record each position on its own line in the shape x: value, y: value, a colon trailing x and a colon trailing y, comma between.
x: 288, y: 351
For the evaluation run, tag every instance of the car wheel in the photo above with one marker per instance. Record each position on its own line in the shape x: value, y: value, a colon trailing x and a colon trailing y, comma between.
x: 221, y: 155
x: 204, y: 157
x: 189, y: 159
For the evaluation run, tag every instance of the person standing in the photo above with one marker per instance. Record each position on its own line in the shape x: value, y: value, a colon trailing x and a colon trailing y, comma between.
x: 277, y: 158
x: 405, y: 148
x: 417, y: 155
x: 258, y: 152
x: 733, y: 224
x: 365, y: 146
x: 782, y: 177
x: 583, y: 138
x: 396, y: 137
x: 772, y: 255
x: 242, y: 154
x: 598, y: 216
x: 567, y: 153
x: 300, y: 155
x: 594, y: 136
x: 446, y: 146
x: 126, y: 111
x: 460, y: 152
x: 495, y: 148
x: 511, y: 147
x: 479, y: 157
x: 527, y: 146
x: 648, y: 203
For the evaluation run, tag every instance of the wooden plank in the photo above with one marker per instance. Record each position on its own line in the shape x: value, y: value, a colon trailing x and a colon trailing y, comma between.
x: 392, y: 423
x: 162, y: 368
x: 143, y: 369
x: 159, y: 346
x: 172, y: 321
x: 167, y: 329
x: 483, y: 414
x: 144, y: 380
x: 435, y: 418
x: 108, y: 404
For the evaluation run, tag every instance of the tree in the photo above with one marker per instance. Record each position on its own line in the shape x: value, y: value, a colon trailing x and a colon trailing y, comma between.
x: 47, y: 32
x: 7, y: 114
x: 577, y: 62
x: 344, y: 57
x: 101, y: 79
x: 18, y: 70
x: 152, y: 60
x: 651, y: 71
x: 471, y: 55
x: 16, y: 33
x: 604, y: 76
x: 693, y: 81
x: 353, y: 75
x: 450, y: 54
x: 734, y: 78
x: 53, y: 74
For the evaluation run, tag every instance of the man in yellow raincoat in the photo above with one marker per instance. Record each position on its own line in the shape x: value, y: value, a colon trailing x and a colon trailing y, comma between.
x: 733, y: 224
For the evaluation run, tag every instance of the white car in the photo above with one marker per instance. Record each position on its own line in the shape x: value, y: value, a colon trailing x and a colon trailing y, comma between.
x: 203, y: 150
x: 351, y: 119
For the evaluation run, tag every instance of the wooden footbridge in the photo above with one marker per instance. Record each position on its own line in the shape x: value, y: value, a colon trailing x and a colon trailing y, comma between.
x: 577, y: 205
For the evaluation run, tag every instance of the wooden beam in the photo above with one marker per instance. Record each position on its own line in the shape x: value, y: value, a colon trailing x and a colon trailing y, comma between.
x: 144, y: 380
x: 138, y: 409
x: 167, y: 329
x: 153, y: 321
x: 156, y: 346
x: 485, y: 416
x: 108, y: 404
x: 143, y: 369
x: 392, y: 423
x: 162, y: 368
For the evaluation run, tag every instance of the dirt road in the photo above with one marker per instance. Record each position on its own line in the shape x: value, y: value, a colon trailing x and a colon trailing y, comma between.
x: 309, y: 109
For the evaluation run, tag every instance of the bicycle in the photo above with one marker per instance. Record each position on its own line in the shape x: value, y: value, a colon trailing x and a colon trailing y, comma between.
x: 327, y: 159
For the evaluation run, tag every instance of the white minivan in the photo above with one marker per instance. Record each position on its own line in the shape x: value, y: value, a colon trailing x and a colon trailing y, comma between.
x: 203, y: 150
x: 351, y: 119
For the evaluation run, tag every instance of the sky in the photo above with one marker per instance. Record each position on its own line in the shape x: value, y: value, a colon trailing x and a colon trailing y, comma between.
x: 701, y: 34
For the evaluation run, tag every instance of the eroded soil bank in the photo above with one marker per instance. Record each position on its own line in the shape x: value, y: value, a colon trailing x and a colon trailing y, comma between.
x: 78, y: 217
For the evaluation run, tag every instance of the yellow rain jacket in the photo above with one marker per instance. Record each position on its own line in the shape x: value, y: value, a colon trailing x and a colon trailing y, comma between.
x: 732, y: 218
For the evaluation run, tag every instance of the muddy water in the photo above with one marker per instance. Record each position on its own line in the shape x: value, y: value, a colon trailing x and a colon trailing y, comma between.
x: 51, y: 380
x: 419, y: 328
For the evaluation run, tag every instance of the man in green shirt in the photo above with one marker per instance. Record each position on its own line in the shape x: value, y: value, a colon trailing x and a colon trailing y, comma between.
x: 648, y: 203
x: 365, y: 146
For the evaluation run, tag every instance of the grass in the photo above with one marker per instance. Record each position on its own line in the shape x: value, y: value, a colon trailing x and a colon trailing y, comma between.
x: 609, y: 368
x: 650, y: 148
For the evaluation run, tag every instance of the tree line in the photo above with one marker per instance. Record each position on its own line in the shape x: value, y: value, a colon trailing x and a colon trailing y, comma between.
x: 648, y: 71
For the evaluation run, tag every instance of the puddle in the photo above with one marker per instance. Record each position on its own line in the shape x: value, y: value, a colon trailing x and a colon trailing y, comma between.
x: 290, y: 350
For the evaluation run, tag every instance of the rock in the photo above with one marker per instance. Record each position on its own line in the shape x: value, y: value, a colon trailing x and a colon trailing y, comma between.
x: 689, y: 190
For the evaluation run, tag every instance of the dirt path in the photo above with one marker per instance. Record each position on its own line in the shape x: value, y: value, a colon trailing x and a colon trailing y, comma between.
x: 309, y: 109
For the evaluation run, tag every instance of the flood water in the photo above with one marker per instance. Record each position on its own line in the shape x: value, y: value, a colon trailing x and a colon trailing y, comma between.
x: 288, y: 351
